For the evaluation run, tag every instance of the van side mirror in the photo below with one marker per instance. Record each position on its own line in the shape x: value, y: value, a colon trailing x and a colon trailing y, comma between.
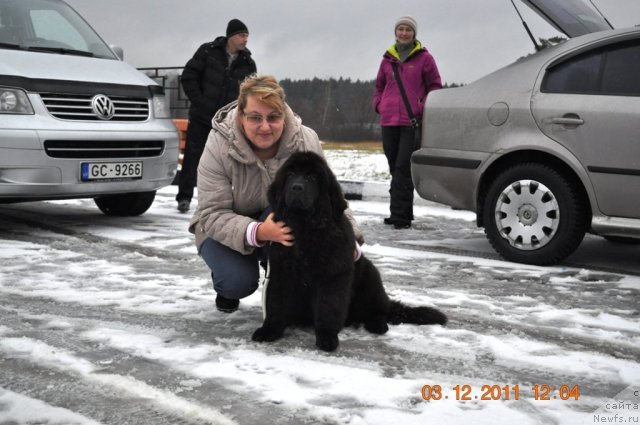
x: 118, y: 51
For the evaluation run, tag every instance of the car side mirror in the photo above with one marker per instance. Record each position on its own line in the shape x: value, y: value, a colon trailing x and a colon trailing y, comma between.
x: 118, y: 51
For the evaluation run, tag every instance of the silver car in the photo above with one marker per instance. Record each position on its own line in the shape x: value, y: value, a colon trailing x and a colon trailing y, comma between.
x: 547, y: 148
x: 75, y: 120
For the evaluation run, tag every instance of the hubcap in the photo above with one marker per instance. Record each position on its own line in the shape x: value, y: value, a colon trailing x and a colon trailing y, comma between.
x: 527, y: 214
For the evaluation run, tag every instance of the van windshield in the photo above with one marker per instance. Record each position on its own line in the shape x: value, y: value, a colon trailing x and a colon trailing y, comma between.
x: 48, y: 26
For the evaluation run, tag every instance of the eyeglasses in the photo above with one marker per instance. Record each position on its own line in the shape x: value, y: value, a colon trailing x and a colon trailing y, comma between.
x: 256, y: 119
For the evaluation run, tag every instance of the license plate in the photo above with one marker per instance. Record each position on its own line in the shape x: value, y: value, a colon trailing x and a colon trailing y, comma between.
x: 110, y: 170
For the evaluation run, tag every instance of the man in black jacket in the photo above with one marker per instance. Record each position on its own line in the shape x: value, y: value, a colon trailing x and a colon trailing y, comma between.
x: 211, y: 79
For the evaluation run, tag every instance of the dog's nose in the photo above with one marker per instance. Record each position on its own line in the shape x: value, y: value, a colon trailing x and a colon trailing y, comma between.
x: 297, y: 187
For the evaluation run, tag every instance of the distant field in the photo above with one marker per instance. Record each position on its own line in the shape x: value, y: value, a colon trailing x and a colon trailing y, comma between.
x: 367, y: 146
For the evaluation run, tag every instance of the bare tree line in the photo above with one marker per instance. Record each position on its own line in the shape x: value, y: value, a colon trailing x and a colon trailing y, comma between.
x: 337, y: 109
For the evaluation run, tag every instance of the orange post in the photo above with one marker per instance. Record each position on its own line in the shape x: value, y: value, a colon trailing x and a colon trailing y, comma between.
x: 181, y: 125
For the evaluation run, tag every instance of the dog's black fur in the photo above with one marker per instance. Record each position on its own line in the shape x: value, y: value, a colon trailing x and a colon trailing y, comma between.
x: 316, y: 282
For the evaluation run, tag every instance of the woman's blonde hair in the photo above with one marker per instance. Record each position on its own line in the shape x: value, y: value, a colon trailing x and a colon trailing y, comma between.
x: 265, y: 88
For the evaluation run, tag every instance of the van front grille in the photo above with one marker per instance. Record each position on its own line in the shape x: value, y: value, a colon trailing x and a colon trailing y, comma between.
x: 103, y: 149
x: 79, y: 107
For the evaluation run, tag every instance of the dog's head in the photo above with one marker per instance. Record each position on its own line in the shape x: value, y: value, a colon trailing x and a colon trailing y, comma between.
x: 306, y: 186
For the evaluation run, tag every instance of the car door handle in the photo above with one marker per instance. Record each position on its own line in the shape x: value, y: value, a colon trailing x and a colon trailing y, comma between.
x: 568, y: 120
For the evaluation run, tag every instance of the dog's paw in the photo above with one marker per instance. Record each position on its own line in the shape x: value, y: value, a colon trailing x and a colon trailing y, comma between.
x: 377, y: 326
x: 327, y: 341
x: 265, y: 334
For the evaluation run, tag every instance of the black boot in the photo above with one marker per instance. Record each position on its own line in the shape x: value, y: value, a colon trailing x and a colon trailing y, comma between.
x: 226, y: 305
x: 183, y: 205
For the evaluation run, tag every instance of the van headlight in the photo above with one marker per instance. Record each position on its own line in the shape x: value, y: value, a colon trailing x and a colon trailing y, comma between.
x: 160, y: 107
x: 14, y: 101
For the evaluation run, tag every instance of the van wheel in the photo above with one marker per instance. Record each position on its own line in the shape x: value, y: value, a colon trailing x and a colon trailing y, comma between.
x: 534, y: 215
x: 125, y: 204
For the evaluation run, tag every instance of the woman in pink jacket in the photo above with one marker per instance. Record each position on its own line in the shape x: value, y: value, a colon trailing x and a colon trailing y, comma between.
x: 419, y: 75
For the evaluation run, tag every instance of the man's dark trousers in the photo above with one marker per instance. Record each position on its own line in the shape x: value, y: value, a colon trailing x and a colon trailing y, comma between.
x: 197, y: 134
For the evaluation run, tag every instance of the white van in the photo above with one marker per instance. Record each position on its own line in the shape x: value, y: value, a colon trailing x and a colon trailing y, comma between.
x: 75, y: 120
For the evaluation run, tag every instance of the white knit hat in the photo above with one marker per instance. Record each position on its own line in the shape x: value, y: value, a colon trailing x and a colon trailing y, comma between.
x: 407, y: 20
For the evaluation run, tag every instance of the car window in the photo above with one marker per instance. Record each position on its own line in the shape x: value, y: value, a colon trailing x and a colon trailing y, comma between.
x: 611, y: 70
x: 622, y: 73
x: 578, y: 75
x: 50, y: 25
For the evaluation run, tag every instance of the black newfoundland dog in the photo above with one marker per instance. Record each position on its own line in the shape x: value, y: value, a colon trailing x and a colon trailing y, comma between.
x: 316, y: 281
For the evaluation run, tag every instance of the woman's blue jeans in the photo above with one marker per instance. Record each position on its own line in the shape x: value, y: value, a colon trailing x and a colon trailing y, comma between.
x: 234, y: 275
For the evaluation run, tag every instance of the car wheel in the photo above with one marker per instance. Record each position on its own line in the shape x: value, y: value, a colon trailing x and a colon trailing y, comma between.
x: 125, y: 204
x: 534, y: 215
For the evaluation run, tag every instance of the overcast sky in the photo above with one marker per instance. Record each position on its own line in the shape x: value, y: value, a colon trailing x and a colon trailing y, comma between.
x: 330, y: 38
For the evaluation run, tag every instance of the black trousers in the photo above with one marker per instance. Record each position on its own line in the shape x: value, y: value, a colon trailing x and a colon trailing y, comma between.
x: 398, y: 143
x: 197, y: 134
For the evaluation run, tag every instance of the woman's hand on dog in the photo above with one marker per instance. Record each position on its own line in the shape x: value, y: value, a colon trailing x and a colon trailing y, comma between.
x: 276, y: 231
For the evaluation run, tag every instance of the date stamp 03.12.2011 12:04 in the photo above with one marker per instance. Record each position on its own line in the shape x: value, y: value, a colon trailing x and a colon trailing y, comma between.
x: 624, y: 407
x: 466, y: 392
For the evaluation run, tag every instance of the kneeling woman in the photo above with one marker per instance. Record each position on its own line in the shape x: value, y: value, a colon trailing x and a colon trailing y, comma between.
x: 250, y: 140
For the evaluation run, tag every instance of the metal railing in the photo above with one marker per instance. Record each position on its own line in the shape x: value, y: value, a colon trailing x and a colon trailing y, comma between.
x: 169, y: 78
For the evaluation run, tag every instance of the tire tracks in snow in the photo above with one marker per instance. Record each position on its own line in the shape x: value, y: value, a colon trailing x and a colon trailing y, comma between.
x: 113, y: 386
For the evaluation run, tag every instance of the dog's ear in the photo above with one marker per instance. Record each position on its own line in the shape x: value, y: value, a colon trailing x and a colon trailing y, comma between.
x: 275, y: 193
x: 338, y: 203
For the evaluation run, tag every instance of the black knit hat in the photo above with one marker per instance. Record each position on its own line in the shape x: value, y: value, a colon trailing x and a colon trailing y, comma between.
x: 235, y: 26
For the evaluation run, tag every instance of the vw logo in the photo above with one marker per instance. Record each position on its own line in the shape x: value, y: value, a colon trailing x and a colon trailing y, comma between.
x: 103, y: 107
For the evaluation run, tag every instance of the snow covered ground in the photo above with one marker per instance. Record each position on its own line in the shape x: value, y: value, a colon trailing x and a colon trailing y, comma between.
x: 111, y: 321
